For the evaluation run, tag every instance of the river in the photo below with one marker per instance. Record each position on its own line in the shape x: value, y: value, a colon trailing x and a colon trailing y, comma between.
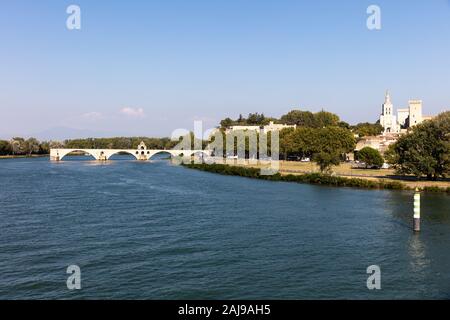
x: 152, y: 230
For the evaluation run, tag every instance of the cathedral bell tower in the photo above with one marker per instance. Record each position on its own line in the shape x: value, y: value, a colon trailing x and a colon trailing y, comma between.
x: 387, y: 119
x: 386, y: 109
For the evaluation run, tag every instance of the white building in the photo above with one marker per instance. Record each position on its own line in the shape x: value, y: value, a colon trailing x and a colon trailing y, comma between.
x: 406, y: 117
x: 387, y: 119
x: 268, y: 128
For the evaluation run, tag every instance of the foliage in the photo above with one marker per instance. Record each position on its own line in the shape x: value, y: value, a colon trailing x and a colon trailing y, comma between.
x: 325, y: 145
x: 31, y: 146
x: 227, y: 122
x: 313, y: 178
x: 5, y: 148
x: 253, y: 119
x: 20, y: 146
x: 312, y: 120
x: 325, y: 160
x: 120, y: 143
x: 371, y: 157
x: 425, y: 150
x: 297, y: 117
x: 367, y: 129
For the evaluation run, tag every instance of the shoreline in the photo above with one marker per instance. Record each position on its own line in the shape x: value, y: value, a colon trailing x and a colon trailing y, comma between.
x: 24, y: 156
x: 313, y: 178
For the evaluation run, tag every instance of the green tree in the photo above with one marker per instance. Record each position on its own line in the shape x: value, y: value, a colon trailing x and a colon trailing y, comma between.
x: 255, y: 118
x: 330, y: 145
x: 286, y: 142
x: 18, y: 146
x: 325, y: 160
x: 32, y: 146
x: 325, y: 119
x: 5, y: 148
x: 44, y: 148
x: 367, y: 129
x: 225, y: 123
x: 343, y: 124
x: 325, y: 145
x: 313, y: 120
x: 371, y: 157
x: 56, y: 144
x: 302, y: 142
x: 424, y: 150
x: 299, y: 118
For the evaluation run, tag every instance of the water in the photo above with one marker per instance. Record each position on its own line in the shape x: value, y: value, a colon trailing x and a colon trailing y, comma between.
x: 150, y: 230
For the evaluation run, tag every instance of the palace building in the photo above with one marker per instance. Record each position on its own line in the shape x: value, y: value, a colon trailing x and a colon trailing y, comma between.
x: 406, y: 117
x: 394, y: 125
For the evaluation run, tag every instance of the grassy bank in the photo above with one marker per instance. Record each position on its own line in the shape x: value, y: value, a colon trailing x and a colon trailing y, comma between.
x: 348, y: 170
x: 313, y: 178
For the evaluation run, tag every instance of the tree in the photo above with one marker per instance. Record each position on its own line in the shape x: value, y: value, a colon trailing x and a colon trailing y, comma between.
x: 301, y: 141
x: 312, y: 120
x: 424, y: 150
x: 326, y: 146
x: 5, y: 148
x: 18, y: 145
x: 226, y: 123
x: 371, y: 157
x: 286, y: 142
x: 325, y: 119
x: 31, y: 146
x: 367, y: 129
x: 299, y: 118
x: 330, y: 145
x: 44, y: 148
x: 325, y: 160
x: 56, y: 144
x: 343, y: 124
x: 255, y: 118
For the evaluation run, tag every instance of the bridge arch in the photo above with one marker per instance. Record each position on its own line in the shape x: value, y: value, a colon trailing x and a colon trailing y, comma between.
x: 135, y: 156
x: 62, y: 155
x: 160, y: 152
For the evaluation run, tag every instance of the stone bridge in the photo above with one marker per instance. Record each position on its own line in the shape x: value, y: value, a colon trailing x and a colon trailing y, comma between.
x: 141, y: 153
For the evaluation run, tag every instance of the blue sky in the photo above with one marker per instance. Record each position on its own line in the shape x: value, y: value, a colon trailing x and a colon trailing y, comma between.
x: 149, y: 67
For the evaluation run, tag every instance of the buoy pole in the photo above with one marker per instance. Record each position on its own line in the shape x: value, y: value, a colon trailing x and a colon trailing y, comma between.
x: 417, y: 211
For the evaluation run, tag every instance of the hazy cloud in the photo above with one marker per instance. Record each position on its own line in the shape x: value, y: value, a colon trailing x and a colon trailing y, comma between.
x: 133, y: 112
x: 92, y: 115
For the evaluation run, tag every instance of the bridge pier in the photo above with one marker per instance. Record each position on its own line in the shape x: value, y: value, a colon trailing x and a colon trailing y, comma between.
x: 102, y: 156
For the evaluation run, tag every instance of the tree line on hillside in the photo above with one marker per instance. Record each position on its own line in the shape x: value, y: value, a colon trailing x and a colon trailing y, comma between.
x: 305, y: 119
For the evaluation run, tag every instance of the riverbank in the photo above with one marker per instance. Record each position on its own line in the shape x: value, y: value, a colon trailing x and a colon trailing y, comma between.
x: 347, y: 170
x: 313, y: 178
x: 24, y: 156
